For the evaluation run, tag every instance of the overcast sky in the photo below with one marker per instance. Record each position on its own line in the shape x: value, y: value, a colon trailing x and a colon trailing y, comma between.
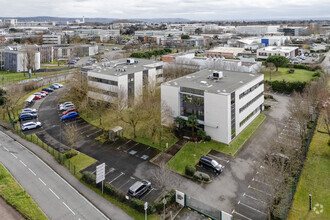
x: 190, y: 9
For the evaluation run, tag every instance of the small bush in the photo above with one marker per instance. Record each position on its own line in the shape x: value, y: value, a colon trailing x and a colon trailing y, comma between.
x: 267, y: 106
x: 70, y: 154
x: 291, y: 71
x: 190, y: 170
x: 201, y: 176
x: 317, y: 73
x: 208, y: 138
x: 201, y: 134
x: 88, y: 178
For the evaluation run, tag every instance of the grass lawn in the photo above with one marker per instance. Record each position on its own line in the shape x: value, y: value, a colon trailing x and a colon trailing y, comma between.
x: 298, y: 75
x: 17, y: 197
x: 81, y: 161
x: 315, y: 179
x: 191, y: 152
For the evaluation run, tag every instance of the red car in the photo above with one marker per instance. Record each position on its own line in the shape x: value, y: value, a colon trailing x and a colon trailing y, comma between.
x: 37, y: 97
x: 70, y: 110
x: 44, y: 92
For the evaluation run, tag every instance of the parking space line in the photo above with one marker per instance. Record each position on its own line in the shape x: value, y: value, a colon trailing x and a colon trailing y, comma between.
x: 94, y: 133
x: 110, y: 171
x: 239, y: 202
x: 250, y: 187
x: 82, y: 127
x: 13, y: 155
x: 240, y: 214
x: 125, y: 183
x: 143, y: 151
x: 145, y: 195
x: 117, y: 177
x: 215, y: 157
x: 123, y: 144
x: 131, y: 147
x: 251, y: 197
x: 258, y: 181
x: 68, y: 208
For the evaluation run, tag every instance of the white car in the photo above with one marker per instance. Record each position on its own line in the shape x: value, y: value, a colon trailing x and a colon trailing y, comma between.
x: 58, y: 84
x: 65, y: 103
x: 40, y: 93
x: 66, y: 107
x: 29, y: 110
x: 30, y: 125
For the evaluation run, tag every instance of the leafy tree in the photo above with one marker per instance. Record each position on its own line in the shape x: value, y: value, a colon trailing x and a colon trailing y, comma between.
x: 180, y: 122
x: 185, y: 36
x: 278, y: 61
x: 193, y: 123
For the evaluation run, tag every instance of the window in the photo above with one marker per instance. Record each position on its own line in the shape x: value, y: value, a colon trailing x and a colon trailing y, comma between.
x: 159, y: 67
x: 105, y: 81
x: 250, y: 115
x: 250, y: 89
x: 250, y: 102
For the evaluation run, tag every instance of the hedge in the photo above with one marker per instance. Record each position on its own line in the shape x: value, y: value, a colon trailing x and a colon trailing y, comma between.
x: 287, y: 87
x: 190, y: 170
x: 149, y: 54
x: 136, y: 204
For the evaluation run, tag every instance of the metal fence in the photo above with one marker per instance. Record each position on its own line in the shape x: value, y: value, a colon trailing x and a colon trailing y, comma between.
x: 293, y: 189
x: 202, y: 208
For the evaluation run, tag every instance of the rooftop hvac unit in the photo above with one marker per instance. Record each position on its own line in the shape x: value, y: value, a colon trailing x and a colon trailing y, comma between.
x: 217, y: 75
x: 130, y: 61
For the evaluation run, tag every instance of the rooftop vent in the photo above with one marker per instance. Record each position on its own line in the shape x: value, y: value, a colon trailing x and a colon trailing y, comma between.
x: 217, y: 75
x: 130, y: 61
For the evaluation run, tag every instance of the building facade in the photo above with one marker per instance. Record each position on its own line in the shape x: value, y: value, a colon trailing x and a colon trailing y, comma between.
x: 51, y: 39
x: 124, y: 79
x: 224, y: 102
x: 16, y: 61
x: 226, y: 52
x: 288, y: 52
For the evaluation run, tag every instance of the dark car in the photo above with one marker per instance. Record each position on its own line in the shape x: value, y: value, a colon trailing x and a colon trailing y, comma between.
x: 47, y: 89
x: 209, y: 163
x: 27, y: 116
x: 139, y: 188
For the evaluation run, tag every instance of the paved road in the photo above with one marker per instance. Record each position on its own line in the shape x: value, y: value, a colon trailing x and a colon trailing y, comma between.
x: 52, y: 193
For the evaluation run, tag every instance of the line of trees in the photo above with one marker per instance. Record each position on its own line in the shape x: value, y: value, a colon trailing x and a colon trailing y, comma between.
x: 149, y: 54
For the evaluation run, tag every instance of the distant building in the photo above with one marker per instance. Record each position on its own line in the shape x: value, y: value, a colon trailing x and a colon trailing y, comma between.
x: 226, y: 52
x: 16, y: 61
x: 46, y: 53
x: 71, y: 51
x: 256, y: 29
x: 124, y: 79
x: 294, y: 31
x: 10, y: 22
x: 288, y: 52
x: 224, y: 102
x: 51, y: 39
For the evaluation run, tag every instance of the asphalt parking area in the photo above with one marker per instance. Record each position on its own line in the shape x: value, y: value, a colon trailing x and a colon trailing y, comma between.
x: 123, y: 181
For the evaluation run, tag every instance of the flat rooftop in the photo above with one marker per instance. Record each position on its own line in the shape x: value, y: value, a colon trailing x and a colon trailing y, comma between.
x: 227, y: 50
x: 121, y: 67
x: 202, y: 80
x: 277, y: 48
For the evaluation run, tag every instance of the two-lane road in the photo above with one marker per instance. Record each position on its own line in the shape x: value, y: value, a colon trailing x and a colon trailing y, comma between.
x: 54, y: 195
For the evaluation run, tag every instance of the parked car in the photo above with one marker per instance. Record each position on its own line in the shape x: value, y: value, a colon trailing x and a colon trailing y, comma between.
x: 41, y: 94
x: 58, y: 84
x: 69, y: 110
x: 209, y: 163
x: 69, y: 115
x: 67, y: 107
x: 64, y: 104
x: 30, y: 125
x: 27, y: 116
x: 54, y: 86
x: 47, y: 89
x: 139, y: 188
x: 36, y: 97
x: 44, y: 92
x: 72, y: 63
x: 29, y: 110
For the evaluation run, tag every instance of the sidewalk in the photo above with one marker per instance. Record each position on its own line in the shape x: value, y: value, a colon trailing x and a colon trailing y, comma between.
x: 103, y: 205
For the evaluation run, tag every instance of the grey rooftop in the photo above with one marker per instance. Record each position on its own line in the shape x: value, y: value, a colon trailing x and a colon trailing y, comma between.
x: 204, y: 80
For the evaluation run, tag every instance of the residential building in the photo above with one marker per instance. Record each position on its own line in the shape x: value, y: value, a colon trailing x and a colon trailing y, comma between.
x: 46, y: 53
x: 2, y: 59
x: 10, y: 22
x: 288, y: 52
x: 256, y: 29
x: 123, y: 79
x: 71, y: 51
x: 51, y: 39
x: 224, y: 102
x: 17, y: 61
x: 226, y: 52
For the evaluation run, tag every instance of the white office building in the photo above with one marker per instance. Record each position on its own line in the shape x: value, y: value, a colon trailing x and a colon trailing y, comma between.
x: 17, y: 61
x: 288, y: 52
x: 123, y: 79
x: 51, y: 39
x: 256, y: 29
x: 224, y: 102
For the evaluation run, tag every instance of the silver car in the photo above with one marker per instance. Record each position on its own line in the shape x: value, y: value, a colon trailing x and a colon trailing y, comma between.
x: 30, y: 125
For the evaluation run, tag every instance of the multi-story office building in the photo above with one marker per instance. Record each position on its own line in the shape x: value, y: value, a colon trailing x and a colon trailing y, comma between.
x: 51, y: 39
x: 288, y: 52
x: 224, y: 102
x: 17, y: 61
x: 123, y: 79
x: 46, y: 53
x: 256, y: 29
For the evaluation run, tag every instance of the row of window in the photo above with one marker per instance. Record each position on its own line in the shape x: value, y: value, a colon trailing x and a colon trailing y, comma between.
x: 250, y: 115
x: 106, y: 81
x: 101, y: 91
x: 250, y: 89
x: 192, y: 91
x: 250, y: 102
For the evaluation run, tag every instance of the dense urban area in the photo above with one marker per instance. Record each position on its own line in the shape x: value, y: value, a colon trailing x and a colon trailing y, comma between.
x: 164, y: 119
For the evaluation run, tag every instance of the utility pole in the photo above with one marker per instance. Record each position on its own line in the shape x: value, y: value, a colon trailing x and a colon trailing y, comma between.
x: 164, y: 202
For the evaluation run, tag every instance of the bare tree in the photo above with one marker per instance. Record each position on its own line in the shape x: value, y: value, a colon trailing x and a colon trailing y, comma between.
x: 165, y: 178
x: 71, y: 135
x: 13, y: 94
x: 30, y: 58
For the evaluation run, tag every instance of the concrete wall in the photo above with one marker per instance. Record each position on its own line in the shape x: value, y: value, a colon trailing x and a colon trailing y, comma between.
x: 170, y: 97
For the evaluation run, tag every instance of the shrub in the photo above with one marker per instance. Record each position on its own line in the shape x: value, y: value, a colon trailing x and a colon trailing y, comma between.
x: 70, y: 154
x: 317, y: 73
x: 201, y: 134
x: 190, y: 170
x: 267, y: 106
x: 88, y: 178
x: 287, y: 87
x: 208, y: 138
x: 201, y: 176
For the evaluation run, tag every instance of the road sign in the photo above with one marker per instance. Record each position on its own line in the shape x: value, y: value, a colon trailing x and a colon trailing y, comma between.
x: 164, y: 201
x: 100, y: 172
x: 145, y: 205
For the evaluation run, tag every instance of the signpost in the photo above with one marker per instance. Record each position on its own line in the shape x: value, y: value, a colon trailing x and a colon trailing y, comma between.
x: 164, y: 202
x: 145, y: 209
x: 100, y: 174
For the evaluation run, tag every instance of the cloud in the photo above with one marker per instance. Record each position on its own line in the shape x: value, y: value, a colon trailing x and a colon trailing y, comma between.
x: 191, y: 9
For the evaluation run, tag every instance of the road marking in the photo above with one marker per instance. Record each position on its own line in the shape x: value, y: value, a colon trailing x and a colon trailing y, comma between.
x: 110, y: 171
x: 250, y: 187
x: 258, y: 181
x: 42, y: 181
x: 240, y: 214
x: 123, y: 144
x: 32, y: 172
x: 239, y: 202
x: 125, y: 183
x: 227, y: 161
x: 101, y: 213
x: 131, y: 147
x: 69, y: 208
x: 254, y: 198
x: 13, y: 155
x: 145, y: 195
x: 54, y: 193
x: 5, y: 148
x: 93, y: 133
x: 117, y: 177
x: 143, y: 151
x: 22, y: 163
